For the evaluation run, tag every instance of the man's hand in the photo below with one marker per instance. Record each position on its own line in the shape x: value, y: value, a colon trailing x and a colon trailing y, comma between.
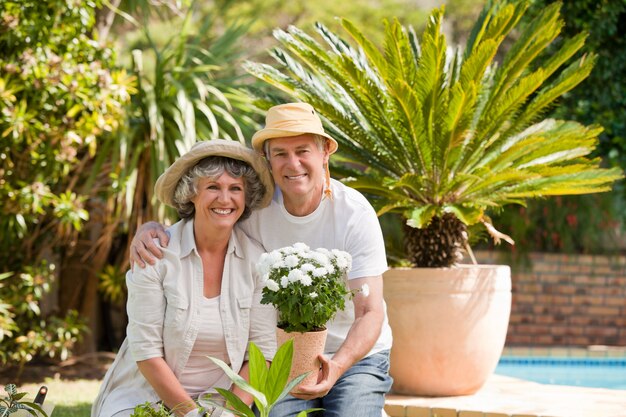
x: 143, y: 249
x: 331, y: 371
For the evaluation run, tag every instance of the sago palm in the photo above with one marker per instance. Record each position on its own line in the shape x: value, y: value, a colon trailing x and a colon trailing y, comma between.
x: 443, y: 136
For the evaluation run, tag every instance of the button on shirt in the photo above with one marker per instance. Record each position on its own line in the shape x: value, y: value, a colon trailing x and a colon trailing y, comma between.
x: 164, y: 301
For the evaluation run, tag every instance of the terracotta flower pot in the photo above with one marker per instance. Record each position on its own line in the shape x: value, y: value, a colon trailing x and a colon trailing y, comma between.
x: 449, y: 326
x: 306, y: 348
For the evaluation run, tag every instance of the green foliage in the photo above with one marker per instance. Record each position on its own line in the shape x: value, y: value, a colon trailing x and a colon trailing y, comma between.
x: 267, y: 385
x: 12, y: 403
x: 306, y: 286
x: 565, y: 224
x: 113, y: 284
x: 280, y: 13
x: 58, y: 94
x: 148, y: 409
x: 597, y: 218
x: 187, y: 90
x: 27, y: 334
x: 438, y: 131
x: 601, y: 98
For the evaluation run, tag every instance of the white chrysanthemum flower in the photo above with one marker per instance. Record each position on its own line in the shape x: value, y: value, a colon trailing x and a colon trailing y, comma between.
x: 273, y: 257
x: 324, y: 251
x: 291, y: 261
x: 343, y: 259
x: 272, y: 285
x: 295, y: 275
x: 307, y: 267
x: 320, y: 258
x: 313, y: 294
x: 284, y: 281
x: 288, y: 250
x: 265, y: 277
x: 320, y: 272
x: 306, y: 280
x: 330, y: 268
x: 300, y: 246
x: 365, y: 290
x: 262, y: 265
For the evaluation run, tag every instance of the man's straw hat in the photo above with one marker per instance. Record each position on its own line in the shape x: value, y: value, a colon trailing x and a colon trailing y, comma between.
x: 291, y: 119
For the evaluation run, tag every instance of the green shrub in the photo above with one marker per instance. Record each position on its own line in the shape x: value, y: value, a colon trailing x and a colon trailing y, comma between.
x: 58, y: 95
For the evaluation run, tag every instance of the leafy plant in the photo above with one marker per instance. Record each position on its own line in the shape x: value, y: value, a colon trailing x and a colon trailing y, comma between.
x: 27, y: 332
x: 267, y: 385
x: 444, y: 137
x: 305, y: 286
x: 187, y: 90
x: 148, y: 409
x: 12, y: 403
x: 59, y: 93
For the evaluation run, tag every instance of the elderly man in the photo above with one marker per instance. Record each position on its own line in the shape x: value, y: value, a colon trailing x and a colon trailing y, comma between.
x: 310, y: 207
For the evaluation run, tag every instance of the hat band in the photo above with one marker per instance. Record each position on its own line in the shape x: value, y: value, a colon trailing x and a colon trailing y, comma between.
x: 295, y: 125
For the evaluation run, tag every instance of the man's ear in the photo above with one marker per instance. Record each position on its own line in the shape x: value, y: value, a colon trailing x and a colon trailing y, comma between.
x: 326, y: 151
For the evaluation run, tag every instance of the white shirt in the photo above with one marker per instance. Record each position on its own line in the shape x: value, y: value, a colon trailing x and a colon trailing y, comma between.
x: 346, y: 222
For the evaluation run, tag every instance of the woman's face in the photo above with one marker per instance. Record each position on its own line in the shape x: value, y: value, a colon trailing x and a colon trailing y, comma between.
x: 220, y: 201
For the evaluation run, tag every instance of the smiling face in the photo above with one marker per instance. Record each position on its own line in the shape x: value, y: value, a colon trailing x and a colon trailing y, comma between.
x: 297, y: 164
x: 219, y: 201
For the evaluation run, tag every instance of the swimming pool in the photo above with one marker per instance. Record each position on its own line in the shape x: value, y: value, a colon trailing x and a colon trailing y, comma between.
x: 584, y: 372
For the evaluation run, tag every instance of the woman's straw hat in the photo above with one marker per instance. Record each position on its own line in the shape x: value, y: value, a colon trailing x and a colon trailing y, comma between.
x: 167, y: 182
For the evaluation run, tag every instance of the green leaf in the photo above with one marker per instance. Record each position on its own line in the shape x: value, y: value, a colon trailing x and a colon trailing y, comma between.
x: 258, y: 369
x: 420, y: 216
x: 291, y: 385
x: 240, y: 382
x: 19, y: 396
x: 235, y: 402
x: 278, y: 373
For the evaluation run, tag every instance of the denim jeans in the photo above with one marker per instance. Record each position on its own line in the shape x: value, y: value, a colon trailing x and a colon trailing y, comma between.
x: 359, y: 392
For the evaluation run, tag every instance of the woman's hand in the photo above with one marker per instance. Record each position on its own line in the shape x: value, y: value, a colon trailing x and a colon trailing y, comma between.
x: 162, y: 379
x: 143, y: 249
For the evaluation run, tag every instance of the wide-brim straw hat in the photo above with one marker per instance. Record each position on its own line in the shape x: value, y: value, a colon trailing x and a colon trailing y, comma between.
x: 167, y: 182
x: 291, y: 119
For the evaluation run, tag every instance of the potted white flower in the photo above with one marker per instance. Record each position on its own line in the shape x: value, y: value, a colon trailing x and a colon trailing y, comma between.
x: 307, y: 288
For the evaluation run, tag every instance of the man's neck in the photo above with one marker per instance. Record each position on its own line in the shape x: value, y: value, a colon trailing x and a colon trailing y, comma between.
x: 301, y: 206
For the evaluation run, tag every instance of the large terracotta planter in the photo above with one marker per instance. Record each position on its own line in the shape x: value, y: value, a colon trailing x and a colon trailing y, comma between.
x: 449, y: 326
x: 306, y: 349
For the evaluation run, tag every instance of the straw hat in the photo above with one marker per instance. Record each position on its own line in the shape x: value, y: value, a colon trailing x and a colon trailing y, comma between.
x: 291, y: 119
x: 167, y: 182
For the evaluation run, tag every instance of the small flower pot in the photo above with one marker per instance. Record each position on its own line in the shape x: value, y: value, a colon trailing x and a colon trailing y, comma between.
x: 306, y: 349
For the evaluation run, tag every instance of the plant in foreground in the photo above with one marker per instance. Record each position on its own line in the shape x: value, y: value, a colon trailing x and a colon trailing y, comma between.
x: 267, y: 385
x: 12, y: 403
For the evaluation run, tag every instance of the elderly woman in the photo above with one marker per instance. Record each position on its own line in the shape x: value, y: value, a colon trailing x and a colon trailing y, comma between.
x: 203, y: 297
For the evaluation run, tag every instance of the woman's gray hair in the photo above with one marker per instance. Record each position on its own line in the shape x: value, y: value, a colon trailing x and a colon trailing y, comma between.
x: 213, y: 167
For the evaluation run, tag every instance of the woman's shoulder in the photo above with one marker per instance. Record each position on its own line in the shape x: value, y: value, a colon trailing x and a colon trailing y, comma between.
x: 250, y: 247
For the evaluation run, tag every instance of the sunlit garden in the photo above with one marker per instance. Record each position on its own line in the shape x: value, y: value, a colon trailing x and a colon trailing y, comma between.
x: 479, y: 131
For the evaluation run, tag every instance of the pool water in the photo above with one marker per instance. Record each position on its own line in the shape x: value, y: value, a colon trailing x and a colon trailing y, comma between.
x: 584, y: 372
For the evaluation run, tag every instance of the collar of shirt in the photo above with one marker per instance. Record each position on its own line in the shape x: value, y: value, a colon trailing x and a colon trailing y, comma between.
x: 188, y: 241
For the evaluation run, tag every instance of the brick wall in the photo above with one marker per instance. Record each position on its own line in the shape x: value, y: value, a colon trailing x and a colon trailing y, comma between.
x: 567, y: 300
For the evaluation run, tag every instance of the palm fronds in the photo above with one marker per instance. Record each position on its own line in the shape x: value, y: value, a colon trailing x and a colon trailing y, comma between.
x: 448, y: 130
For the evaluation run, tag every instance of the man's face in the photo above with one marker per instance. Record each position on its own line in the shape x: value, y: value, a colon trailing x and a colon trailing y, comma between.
x: 298, y: 166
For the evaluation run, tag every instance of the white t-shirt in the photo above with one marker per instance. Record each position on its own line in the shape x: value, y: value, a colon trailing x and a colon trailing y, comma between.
x: 346, y: 222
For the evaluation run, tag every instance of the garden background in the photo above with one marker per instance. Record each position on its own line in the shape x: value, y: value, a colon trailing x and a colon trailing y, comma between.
x: 98, y: 97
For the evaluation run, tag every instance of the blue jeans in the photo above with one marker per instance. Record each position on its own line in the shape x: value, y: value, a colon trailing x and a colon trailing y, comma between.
x: 359, y: 392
